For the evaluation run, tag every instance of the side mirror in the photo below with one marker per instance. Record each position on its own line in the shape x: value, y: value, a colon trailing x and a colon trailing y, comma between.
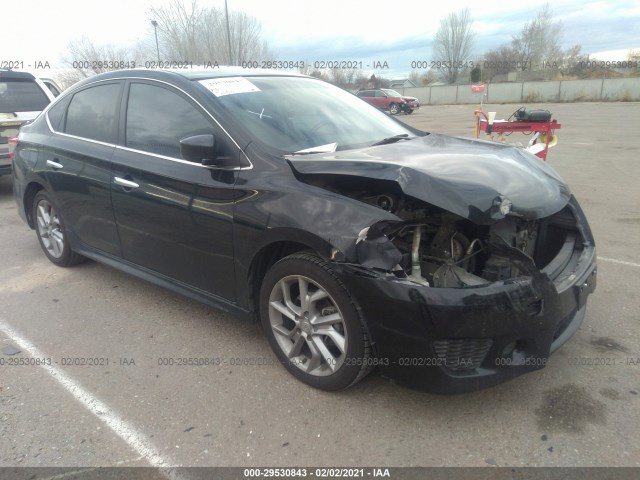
x: 199, y: 148
x: 202, y: 149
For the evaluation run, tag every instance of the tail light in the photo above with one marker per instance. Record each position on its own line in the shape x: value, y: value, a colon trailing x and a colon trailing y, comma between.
x: 13, y: 143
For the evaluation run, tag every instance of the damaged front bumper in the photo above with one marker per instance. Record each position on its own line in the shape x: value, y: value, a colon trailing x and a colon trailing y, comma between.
x: 454, y: 340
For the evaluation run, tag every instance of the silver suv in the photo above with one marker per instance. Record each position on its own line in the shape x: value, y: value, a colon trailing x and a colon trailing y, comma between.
x: 22, y: 98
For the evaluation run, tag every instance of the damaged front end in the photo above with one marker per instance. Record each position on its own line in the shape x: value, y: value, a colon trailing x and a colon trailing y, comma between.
x: 445, y: 251
x: 453, y: 306
x: 482, y: 269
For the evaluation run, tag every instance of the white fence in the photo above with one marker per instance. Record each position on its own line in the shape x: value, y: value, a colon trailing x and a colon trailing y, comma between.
x: 596, y: 90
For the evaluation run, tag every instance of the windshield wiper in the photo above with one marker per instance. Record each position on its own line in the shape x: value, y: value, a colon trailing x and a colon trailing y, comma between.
x: 395, y: 138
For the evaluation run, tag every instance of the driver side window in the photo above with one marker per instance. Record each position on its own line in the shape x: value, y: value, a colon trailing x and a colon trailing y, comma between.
x: 157, y: 119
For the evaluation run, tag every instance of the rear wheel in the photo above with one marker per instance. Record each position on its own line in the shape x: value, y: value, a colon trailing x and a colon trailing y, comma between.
x: 51, y: 231
x: 313, y: 324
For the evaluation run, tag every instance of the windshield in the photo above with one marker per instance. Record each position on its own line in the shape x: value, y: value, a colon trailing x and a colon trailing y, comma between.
x: 292, y: 114
x: 391, y: 93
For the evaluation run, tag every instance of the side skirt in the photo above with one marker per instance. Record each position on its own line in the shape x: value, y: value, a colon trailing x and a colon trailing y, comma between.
x: 164, y: 281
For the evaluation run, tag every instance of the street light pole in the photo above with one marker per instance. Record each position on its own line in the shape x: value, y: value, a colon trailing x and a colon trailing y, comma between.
x: 155, y: 28
x: 226, y: 9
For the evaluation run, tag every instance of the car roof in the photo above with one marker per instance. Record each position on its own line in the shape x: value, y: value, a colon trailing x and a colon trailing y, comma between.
x: 235, y: 72
x: 185, y: 74
x: 195, y: 74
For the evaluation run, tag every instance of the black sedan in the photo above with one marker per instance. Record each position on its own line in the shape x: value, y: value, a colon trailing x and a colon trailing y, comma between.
x: 357, y: 241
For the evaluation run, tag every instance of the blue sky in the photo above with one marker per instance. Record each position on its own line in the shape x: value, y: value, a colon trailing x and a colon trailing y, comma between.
x: 329, y: 29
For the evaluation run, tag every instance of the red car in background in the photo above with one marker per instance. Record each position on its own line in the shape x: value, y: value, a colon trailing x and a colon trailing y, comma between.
x: 386, y: 99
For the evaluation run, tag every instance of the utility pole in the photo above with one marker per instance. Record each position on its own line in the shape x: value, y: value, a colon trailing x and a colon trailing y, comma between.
x: 226, y: 9
x: 155, y: 28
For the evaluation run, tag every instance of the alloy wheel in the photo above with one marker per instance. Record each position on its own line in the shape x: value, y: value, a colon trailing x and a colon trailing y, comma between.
x: 49, y: 228
x: 308, y: 325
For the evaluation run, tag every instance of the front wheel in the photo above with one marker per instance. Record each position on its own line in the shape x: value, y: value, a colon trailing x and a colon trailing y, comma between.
x: 51, y: 231
x: 394, y: 109
x: 313, y: 325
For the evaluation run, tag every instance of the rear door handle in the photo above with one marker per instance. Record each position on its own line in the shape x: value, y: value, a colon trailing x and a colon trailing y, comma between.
x: 123, y: 182
x: 55, y: 165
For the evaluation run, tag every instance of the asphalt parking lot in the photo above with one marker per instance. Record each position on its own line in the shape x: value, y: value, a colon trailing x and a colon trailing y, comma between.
x: 130, y: 410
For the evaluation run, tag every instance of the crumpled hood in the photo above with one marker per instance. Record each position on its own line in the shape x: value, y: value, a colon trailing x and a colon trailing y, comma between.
x: 463, y: 176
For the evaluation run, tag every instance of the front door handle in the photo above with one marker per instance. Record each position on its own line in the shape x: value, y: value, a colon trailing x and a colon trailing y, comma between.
x: 54, y: 165
x: 123, y: 182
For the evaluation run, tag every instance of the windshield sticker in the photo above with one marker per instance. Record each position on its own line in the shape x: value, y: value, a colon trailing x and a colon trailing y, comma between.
x: 228, y: 86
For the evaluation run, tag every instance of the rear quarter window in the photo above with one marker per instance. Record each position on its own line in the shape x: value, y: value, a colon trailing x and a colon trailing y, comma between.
x: 56, y: 114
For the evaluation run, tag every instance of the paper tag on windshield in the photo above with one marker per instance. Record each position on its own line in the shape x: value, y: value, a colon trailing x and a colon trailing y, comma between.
x: 228, y: 86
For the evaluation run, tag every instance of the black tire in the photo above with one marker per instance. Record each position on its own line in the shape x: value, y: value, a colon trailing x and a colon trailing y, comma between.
x: 52, y: 234
x: 409, y: 111
x: 394, y: 109
x: 309, y: 350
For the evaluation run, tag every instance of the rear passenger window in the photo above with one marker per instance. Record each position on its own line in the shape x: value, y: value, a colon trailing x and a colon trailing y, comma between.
x: 92, y: 113
x: 157, y: 119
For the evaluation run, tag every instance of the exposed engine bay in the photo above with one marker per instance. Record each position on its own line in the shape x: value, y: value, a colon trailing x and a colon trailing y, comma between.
x: 442, y: 251
x: 436, y: 248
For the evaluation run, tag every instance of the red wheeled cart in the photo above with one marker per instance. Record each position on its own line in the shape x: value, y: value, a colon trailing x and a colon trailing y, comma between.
x: 543, y: 138
x: 538, y: 123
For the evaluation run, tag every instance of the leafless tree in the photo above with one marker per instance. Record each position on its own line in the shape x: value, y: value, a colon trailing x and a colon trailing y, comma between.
x: 538, y: 43
x: 306, y: 69
x: 319, y: 74
x: 414, y: 76
x: 84, y: 59
x: 186, y: 31
x: 574, y: 61
x: 360, y: 81
x: 338, y: 77
x: 179, y: 27
x: 350, y: 76
x: 190, y: 32
x: 535, y: 48
x: 498, y: 61
x: 422, y: 78
x: 453, y: 43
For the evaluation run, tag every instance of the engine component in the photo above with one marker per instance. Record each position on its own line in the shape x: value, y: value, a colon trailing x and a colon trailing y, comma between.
x: 449, y: 275
x: 448, y: 243
x: 497, y: 268
x: 416, y: 269
x: 387, y: 202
